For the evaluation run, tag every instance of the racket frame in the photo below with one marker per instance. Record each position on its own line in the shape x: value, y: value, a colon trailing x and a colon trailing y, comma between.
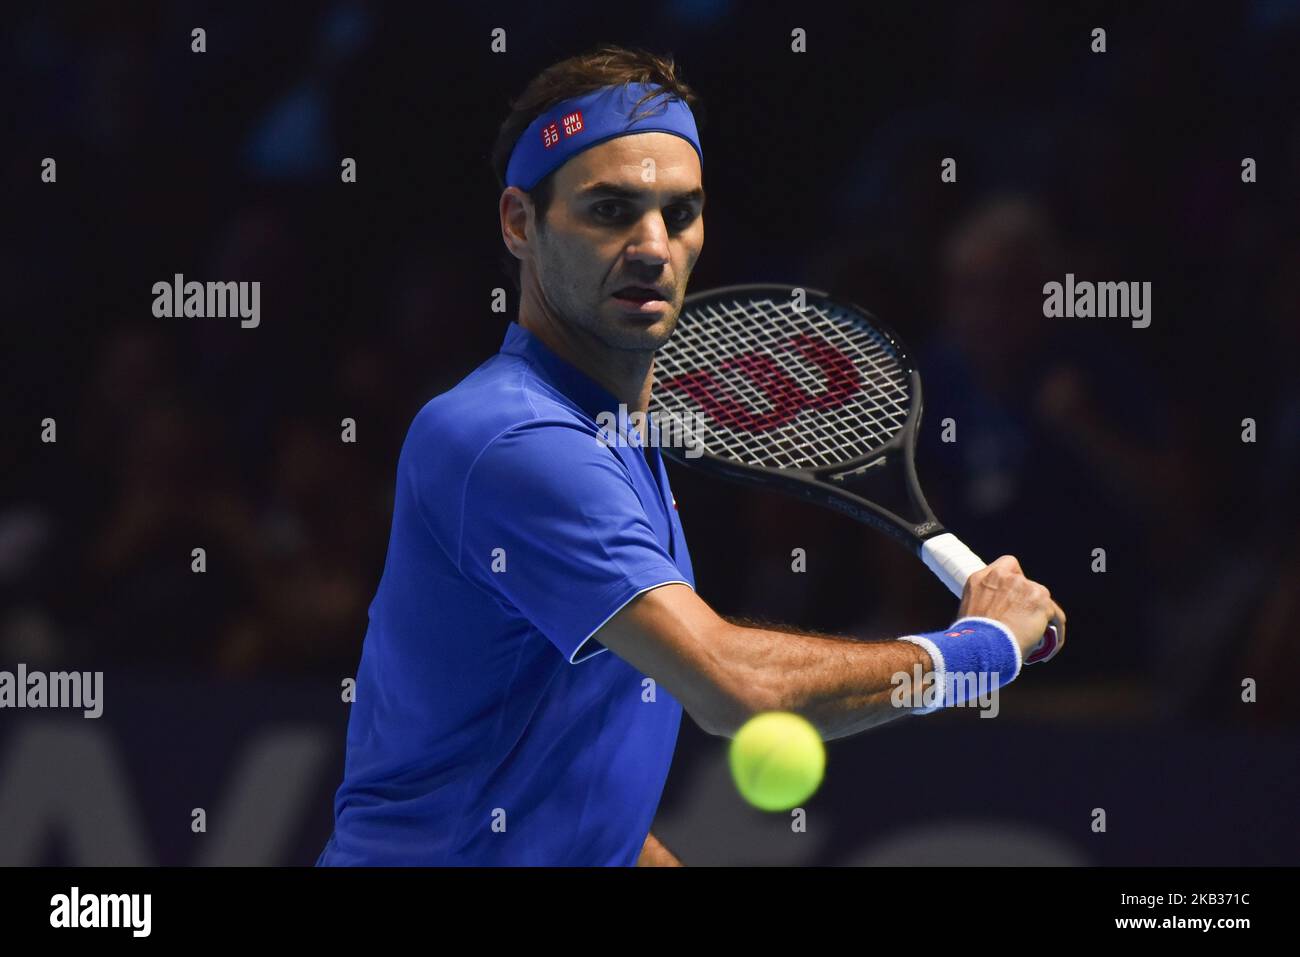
x: 831, y: 486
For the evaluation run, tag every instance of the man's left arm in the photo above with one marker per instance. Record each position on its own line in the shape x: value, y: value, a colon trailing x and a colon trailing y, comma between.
x: 654, y: 854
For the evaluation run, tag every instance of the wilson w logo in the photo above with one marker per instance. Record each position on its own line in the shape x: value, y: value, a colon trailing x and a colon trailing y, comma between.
x: 721, y: 391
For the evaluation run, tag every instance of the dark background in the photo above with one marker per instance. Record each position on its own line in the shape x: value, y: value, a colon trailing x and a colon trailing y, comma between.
x: 822, y: 169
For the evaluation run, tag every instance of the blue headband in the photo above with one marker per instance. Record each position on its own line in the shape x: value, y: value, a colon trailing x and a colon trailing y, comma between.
x: 582, y: 122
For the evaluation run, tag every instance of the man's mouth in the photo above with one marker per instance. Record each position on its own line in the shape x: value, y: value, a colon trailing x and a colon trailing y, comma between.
x: 640, y: 293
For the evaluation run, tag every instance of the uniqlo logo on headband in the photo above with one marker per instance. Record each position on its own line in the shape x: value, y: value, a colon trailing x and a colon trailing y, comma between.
x: 572, y: 122
x: 550, y: 135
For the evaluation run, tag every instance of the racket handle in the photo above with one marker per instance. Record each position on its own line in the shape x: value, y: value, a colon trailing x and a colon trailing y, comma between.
x: 948, y: 557
x: 952, y: 562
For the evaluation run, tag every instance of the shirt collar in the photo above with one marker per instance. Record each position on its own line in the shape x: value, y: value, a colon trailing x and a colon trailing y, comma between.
x: 590, y: 396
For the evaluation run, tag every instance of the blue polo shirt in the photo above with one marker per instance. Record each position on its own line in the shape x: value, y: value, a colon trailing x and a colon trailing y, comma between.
x: 489, y: 727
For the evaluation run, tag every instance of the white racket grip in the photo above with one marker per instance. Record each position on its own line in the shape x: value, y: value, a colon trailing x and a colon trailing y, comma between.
x: 949, y: 558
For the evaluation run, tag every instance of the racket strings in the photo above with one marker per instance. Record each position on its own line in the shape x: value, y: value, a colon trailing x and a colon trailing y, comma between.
x: 769, y: 385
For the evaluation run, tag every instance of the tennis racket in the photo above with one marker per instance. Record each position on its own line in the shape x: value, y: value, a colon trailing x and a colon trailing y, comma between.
x: 785, y: 387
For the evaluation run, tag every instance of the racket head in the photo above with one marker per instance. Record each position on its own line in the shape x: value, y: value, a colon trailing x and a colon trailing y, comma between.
x: 821, y: 401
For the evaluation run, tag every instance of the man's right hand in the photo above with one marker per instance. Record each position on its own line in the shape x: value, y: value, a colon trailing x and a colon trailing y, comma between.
x: 1002, y: 592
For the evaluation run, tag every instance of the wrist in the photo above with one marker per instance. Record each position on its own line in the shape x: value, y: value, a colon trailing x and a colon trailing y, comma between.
x: 973, y: 653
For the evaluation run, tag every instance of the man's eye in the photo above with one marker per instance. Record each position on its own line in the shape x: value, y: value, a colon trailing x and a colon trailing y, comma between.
x: 676, y: 217
x: 681, y: 215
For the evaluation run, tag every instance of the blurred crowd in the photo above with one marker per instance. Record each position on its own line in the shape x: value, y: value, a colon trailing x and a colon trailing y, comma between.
x: 1072, y: 434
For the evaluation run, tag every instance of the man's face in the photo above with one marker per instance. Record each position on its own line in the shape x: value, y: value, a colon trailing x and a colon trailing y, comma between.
x: 621, y: 237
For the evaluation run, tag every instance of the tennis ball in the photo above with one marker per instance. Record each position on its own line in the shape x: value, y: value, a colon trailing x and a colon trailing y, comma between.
x: 777, y: 760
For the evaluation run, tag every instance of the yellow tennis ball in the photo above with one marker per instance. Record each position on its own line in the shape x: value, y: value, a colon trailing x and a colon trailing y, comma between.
x: 777, y: 760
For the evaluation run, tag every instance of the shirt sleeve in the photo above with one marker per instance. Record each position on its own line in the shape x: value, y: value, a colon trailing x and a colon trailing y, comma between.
x: 552, y: 524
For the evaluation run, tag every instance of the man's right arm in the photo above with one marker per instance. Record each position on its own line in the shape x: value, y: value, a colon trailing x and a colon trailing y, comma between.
x: 723, y: 673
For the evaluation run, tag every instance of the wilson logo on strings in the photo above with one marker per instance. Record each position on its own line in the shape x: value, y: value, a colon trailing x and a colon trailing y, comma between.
x: 763, y: 370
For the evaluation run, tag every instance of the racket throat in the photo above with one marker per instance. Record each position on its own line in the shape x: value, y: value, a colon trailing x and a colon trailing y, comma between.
x: 882, y: 481
x: 878, y: 462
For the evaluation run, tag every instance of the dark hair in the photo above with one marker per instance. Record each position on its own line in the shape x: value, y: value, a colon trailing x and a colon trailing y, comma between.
x: 607, y: 65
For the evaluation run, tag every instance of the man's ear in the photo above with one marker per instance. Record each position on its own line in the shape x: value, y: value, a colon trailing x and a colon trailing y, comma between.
x: 517, y: 214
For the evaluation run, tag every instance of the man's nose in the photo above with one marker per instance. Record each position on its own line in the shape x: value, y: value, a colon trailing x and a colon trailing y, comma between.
x: 649, y: 242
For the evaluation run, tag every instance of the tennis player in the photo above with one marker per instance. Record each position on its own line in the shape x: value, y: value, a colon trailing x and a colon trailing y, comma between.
x: 536, y: 632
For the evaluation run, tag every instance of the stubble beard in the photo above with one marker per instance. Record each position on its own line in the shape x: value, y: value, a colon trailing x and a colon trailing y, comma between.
x: 595, y: 320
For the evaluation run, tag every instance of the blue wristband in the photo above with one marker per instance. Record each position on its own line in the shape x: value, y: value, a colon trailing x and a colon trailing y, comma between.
x: 978, y: 647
